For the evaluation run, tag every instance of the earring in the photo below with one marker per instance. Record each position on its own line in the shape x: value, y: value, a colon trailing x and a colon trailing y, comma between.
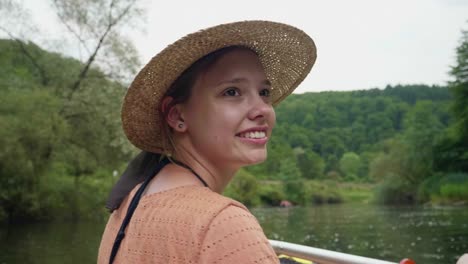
x: 180, y: 125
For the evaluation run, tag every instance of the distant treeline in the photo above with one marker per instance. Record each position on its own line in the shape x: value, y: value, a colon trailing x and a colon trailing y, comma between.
x: 62, y: 144
x: 338, y: 133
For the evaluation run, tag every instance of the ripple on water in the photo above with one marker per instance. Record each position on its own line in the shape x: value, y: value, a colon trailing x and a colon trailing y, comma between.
x: 427, y: 235
x: 432, y: 256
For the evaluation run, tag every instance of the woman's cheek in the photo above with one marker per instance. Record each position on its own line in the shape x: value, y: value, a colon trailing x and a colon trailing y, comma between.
x: 272, y: 118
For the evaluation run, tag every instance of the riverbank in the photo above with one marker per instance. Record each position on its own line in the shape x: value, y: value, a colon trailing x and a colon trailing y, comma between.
x: 451, y: 189
x: 246, y: 189
x: 62, y: 197
x: 440, y: 188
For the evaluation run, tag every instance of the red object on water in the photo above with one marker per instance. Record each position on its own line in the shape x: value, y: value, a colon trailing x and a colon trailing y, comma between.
x: 285, y: 203
x: 407, y: 261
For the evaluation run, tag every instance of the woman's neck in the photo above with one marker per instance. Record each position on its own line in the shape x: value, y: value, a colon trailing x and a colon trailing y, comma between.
x: 217, y: 176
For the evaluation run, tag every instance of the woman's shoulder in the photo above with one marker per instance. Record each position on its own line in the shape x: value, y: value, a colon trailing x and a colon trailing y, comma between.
x: 190, y: 194
x: 190, y: 201
x: 235, y: 236
x: 236, y: 219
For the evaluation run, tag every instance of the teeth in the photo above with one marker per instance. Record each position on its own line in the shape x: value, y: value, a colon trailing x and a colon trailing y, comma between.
x: 256, y: 134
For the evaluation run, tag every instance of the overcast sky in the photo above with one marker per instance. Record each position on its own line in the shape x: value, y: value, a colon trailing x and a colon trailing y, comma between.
x: 361, y: 44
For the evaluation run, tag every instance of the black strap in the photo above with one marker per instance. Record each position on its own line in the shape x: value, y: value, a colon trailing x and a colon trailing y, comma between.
x: 150, y: 173
x: 190, y: 169
x: 133, y: 175
x: 133, y: 205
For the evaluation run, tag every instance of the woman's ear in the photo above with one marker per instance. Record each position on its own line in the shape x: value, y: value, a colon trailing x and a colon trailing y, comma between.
x: 174, y: 115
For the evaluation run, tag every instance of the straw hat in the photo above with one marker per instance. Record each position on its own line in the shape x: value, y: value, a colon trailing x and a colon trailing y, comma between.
x: 286, y: 53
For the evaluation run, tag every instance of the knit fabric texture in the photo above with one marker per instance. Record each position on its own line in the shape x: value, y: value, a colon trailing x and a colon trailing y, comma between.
x: 188, y: 224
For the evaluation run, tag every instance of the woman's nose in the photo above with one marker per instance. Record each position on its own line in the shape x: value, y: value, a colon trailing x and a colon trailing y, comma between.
x: 260, y: 108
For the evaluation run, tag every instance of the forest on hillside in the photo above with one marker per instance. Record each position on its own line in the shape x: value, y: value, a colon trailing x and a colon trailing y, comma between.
x: 337, y: 133
x: 62, y: 145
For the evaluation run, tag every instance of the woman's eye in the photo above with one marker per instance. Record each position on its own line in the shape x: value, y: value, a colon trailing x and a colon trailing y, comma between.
x: 232, y: 92
x: 265, y: 92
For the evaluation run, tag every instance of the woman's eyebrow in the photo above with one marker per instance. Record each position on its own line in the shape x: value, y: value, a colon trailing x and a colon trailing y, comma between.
x: 242, y: 80
x: 235, y: 80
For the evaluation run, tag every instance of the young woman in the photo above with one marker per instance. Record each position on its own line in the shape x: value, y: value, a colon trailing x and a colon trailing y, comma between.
x: 200, y: 110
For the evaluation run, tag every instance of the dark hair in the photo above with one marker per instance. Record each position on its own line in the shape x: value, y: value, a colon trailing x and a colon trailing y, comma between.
x: 181, y: 89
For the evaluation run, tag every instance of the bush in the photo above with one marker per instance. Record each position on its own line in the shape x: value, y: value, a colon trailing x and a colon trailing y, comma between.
x: 393, y: 190
x: 334, y: 175
x: 271, y: 194
x: 455, y: 191
x: 243, y: 188
x: 444, y: 188
x: 321, y: 192
x: 428, y: 188
x: 296, y: 192
x: 308, y: 192
x: 58, y: 195
x: 93, y: 192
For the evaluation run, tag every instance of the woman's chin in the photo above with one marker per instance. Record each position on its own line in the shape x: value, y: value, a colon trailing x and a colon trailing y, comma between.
x: 256, y: 158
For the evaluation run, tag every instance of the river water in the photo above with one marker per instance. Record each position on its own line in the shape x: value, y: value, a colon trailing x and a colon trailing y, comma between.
x: 428, y: 235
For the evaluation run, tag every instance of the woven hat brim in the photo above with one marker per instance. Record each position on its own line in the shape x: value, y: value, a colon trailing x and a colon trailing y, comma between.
x: 286, y: 53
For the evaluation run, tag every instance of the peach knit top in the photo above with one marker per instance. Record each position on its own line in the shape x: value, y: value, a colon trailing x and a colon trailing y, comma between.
x: 189, y: 224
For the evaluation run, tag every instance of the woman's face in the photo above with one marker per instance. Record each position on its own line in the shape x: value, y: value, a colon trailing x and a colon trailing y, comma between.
x: 229, y: 115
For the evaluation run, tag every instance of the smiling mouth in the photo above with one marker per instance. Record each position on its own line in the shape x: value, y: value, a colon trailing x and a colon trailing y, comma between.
x: 252, y: 134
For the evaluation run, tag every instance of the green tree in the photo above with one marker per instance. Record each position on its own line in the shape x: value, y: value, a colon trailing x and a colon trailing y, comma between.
x: 350, y: 163
x: 88, y: 96
x: 452, y: 150
x: 31, y: 129
x: 421, y: 134
x: 42, y: 137
x: 288, y: 170
x: 310, y: 164
x: 390, y: 161
x: 410, y: 156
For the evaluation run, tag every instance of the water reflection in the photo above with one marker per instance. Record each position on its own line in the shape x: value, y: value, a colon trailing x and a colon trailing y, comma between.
x: 427, y: 235
x: 50, y: 243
